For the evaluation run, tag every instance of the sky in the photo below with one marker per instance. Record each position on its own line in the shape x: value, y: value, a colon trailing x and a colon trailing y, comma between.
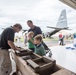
x: 43, y: 13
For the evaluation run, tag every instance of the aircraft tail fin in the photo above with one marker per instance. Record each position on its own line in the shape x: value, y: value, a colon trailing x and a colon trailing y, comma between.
x: 62, y: 21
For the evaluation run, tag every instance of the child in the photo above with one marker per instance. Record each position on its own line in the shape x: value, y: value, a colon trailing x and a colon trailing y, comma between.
x: 25, y: 39
x: 30, y: 40
x: 39, y: 48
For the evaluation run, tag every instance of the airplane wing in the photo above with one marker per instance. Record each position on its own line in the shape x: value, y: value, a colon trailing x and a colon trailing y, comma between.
x: 53, y: 32
x: 65, y: 28
x: 57, y: 30
x: 52, y: 27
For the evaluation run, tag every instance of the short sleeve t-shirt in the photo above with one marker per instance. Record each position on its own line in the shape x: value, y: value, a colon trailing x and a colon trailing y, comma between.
x: 7, y: 34
x: 36, y: 30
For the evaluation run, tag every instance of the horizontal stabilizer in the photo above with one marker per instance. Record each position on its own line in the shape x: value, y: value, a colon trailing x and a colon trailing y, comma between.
x: 58, y: 28
x: 52, y: 27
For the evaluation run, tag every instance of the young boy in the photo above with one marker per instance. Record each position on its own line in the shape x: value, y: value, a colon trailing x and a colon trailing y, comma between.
x: 39, y: 48
x: 30, y: 40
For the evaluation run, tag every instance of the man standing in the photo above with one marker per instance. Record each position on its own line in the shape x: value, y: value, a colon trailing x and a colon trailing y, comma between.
x: 34, y: 28
x: 61, y: 37
x: 6, y: 42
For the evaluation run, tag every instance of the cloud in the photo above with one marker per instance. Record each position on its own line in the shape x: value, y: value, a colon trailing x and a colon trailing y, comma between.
x: 43, y: 12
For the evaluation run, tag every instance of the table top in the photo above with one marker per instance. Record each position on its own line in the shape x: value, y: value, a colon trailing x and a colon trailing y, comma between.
x: 65, y: 57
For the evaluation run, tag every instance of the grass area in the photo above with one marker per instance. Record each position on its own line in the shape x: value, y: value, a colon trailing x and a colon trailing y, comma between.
x: 46, y: 39
x: 21, y: 40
